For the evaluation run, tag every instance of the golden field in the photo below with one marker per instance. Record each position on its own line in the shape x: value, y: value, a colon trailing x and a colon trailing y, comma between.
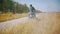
x: 45, y: 23
x: 10, y: 16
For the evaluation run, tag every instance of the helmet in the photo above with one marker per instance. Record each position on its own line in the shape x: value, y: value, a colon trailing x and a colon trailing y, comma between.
x: 30, y: 4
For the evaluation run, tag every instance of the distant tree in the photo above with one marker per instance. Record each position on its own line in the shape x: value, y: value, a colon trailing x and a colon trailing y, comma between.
x: 19, y: 8
x: 1, y: 1
x: 38, y: 11
x: 6, y: 5
x: 25, y: 8
x: 11, y: 6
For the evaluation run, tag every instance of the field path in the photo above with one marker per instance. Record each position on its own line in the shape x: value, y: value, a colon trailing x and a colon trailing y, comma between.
x: 13, y: 22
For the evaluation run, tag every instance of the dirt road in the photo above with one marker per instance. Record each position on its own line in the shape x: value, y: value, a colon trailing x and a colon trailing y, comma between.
x: 13, y: 22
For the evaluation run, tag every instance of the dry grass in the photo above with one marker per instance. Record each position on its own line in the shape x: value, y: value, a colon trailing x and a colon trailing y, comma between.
x: 21, y: 28
x: 10, y: 16
x: 46, y: 23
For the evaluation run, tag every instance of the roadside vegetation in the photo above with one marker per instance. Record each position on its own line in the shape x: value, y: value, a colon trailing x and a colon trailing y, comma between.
x: 11, y: 16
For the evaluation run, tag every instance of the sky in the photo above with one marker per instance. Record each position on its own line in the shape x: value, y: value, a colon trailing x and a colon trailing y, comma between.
x: 43, y: 5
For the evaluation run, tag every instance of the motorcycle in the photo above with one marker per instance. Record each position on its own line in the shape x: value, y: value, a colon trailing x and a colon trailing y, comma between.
x: 31, y: 15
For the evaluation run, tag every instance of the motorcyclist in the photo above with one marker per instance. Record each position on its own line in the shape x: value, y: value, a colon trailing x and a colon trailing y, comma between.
x: 31, y: 11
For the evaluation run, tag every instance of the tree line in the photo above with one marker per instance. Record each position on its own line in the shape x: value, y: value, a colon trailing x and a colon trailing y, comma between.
x: 11, y: 6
